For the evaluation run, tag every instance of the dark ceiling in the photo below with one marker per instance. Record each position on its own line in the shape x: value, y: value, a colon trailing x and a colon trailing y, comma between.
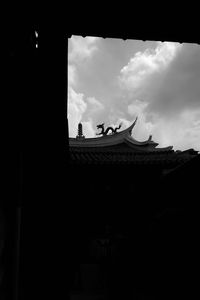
x: 165, y: 24
x: 176, y: 34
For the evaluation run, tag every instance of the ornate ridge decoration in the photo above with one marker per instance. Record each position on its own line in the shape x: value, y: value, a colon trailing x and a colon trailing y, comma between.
x: 105, y: 132
x: 117, y: 138
x: 122, y: 147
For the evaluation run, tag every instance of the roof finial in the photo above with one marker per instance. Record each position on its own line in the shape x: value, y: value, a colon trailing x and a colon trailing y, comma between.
x: 80, y: 132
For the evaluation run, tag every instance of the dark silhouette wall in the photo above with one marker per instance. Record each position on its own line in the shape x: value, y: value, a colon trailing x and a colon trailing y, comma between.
x: 52, y: 221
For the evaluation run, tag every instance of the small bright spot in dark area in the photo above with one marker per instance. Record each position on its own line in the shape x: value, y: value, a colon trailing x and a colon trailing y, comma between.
x: 36, y: 35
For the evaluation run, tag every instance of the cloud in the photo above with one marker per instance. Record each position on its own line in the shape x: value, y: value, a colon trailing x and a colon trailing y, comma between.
x: 182, y: 133
x: 160, y: 85
x: 95, y: 105
x: 144, y: 64
x: 76, y: 108
x: 144, y: 127
x: 81, y: 48
x: 94, y: 109
x: 166, y: 80
x: 80, y: 107
x: 125, y: 123
x: 72, y: 75
x: 178, y: 88
x: 88, y: 129
x: 137, y: 107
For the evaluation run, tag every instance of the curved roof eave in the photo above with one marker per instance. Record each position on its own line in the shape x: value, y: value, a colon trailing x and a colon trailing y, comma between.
x: 107, y: 140
x: 168, y: 148
x: 116, y: 139
x: 147, y: 142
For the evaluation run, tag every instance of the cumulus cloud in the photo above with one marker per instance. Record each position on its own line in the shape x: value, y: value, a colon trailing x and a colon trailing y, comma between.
x: 94, y: 104
x: 91, y: 115
x: 72, y: 76
x: 137, y: 107
x: 125, y: 123
x: 144, y: 64
x: 167, y: 77
x: 160, y: 85
x: 88, y: 129
x: 80, y: 107
x: 76, y: 108
x: 167, y: 82
x: 81, y: 48
x: 179, y: 87
x: 144, y: 127
x: 182, y: 132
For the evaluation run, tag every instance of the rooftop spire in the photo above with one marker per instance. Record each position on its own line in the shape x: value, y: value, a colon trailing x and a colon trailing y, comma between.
x: 80, y: 132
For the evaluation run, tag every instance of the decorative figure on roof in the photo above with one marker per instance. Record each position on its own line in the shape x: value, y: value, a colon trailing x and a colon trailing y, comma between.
x: 105, y: 132
x: 80, y: 131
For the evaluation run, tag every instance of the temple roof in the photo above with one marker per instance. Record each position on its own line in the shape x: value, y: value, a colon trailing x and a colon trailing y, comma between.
x: 123, y: 137
x: 121, y: 147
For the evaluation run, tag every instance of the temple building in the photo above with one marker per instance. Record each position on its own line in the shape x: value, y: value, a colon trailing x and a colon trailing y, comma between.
x: 126, y: 196
x: 117, y: 164
x: 120, y: 148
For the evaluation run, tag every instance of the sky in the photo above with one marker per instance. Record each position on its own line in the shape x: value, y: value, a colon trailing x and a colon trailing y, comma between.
x: 112, y: 81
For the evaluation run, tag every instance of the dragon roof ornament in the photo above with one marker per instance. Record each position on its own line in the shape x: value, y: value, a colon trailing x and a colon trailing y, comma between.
x: 116, y: 138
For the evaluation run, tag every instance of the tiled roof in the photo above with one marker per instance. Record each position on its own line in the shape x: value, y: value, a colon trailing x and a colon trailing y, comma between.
x: 122, y: 148
x: 117, y: 156
x: 115, y: 139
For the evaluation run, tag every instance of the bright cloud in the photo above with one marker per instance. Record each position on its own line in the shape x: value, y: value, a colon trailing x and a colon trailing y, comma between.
x: 167, y: 82
x: 88, y: 129
x: 158, y: 82
x: 144, y: 127
x: 72, y: 76
x: 81, y: 48
x: 78, y: 104
x: 94, y: 109
x: 143, y: 64
x: 125, y: 123
x: 182, y: 133
x: 178, y: 89
x: 137, y: 107
x: 95, y: 104
x: 76, y: 108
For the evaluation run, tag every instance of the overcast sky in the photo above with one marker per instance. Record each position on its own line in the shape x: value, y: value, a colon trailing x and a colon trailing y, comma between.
x: 112, y: 81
